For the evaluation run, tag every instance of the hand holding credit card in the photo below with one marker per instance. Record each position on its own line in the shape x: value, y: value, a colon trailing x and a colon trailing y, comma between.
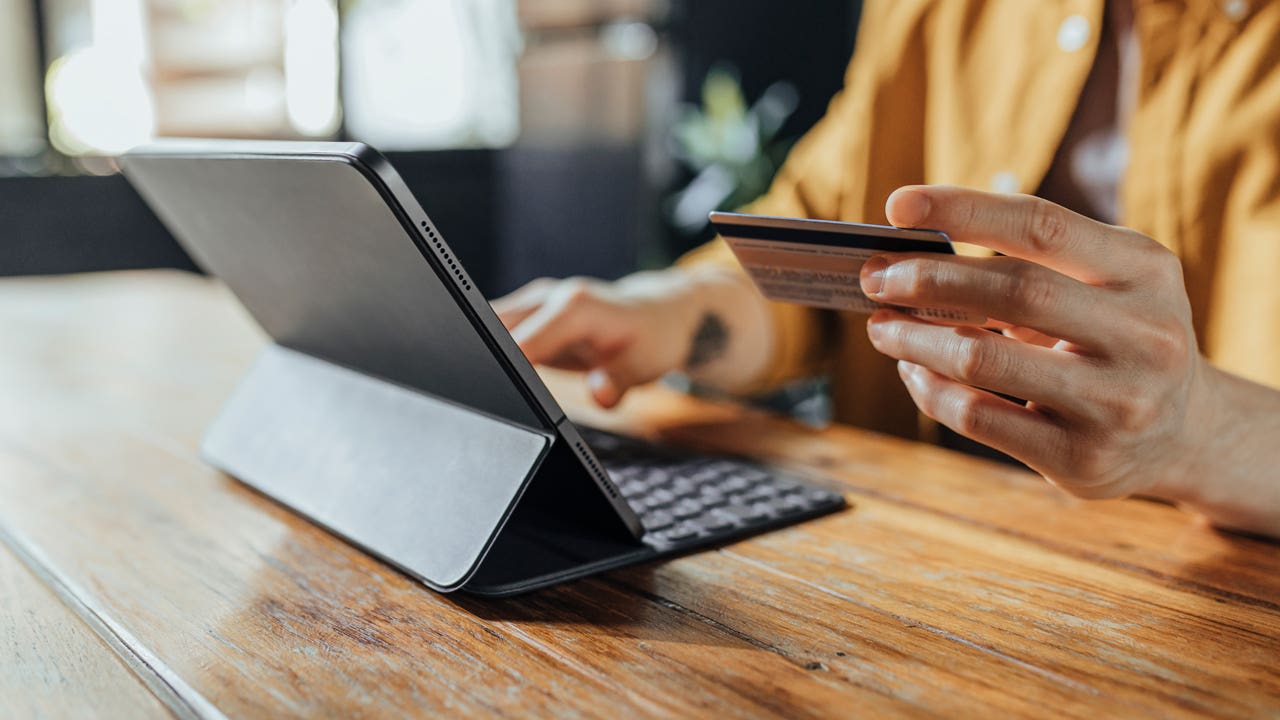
x: 817, y: 262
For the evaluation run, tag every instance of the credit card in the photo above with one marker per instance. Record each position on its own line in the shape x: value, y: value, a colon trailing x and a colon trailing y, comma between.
x: 817, y: 262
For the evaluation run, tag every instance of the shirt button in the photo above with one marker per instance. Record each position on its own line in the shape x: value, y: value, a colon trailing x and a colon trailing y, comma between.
x: 1236, y: 9
x: 1073, y: 33
x: 1004, y: 182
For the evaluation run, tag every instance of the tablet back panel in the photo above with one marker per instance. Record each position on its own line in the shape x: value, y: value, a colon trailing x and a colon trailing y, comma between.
x: 311, y: 249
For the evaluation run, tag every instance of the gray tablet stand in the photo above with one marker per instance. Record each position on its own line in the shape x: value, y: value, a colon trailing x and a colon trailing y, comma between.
x: 420, y: 482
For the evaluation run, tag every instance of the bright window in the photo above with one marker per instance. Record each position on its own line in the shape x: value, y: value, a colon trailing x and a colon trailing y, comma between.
x: 399, y: 74
x: 125, y: 71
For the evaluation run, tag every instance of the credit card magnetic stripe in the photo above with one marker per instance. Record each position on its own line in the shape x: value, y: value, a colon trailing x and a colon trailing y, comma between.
x: 831, y: 238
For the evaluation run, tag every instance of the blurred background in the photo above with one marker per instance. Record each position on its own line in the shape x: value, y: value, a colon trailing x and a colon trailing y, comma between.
x: 544, y: 137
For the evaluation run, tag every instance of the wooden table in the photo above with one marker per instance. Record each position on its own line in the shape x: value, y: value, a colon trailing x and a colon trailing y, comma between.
x: 135, y: 581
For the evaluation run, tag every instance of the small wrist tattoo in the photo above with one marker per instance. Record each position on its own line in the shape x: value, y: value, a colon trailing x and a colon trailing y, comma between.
x: 709, y: 342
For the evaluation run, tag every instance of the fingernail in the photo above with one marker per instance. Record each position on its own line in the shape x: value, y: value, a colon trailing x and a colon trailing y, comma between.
x: 908, y: 207
x: 907, y: 369
x: 601, y: 389
x: 597, y: 380
x: 873, y: 274
x: 873, y: 330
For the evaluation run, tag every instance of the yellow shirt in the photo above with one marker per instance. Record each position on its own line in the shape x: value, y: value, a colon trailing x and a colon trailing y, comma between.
x: 981, y: 92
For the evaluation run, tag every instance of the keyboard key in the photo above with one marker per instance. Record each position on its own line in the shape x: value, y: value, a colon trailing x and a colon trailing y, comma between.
x: 681, y: 532
x: 657, y: 520
x: 657, y: 476
x: 686, y: 509
x: 713, y: 500
x: 661, y: 498
x: 706, y: 475
x: 682, y: 488
x: 760, y: 492
x: 718, y: 521
x: 819, y: 496
x: 789, y: 503
x: 632, y: 488
x: 748, y: 513
x: 658, y: 503
x: 786, y: 484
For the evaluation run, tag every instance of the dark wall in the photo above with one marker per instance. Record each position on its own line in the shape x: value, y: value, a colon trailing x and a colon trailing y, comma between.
x: 570, y: 211
x: 806, y: 43
x: 51, y: 225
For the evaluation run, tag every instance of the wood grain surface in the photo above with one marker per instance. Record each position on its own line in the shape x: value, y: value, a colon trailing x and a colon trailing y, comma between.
x: 954, y: 587
x: 53, y: 664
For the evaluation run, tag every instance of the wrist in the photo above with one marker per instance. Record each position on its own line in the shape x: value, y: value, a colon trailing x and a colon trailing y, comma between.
x: 1227, y: 474
x: 728, y: 327
x: 689, y: 300
x: 1189, y: 460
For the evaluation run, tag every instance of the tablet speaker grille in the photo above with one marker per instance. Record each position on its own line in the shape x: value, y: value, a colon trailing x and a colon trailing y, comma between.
x: 444, y: 255
x: 600, y: 474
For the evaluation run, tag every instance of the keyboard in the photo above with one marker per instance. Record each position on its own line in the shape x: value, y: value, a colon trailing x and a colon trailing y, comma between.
x: 689, y: 499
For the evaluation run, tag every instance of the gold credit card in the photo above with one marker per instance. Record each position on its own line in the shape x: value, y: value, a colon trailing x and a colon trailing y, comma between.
x: 817, y: 262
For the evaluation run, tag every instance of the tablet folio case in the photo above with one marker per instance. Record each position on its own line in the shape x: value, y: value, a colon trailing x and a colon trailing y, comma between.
x: 422, y: 483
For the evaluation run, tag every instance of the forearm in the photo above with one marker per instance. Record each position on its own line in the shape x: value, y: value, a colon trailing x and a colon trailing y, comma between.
x: 732, y: 339
x: 1233, y: 480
